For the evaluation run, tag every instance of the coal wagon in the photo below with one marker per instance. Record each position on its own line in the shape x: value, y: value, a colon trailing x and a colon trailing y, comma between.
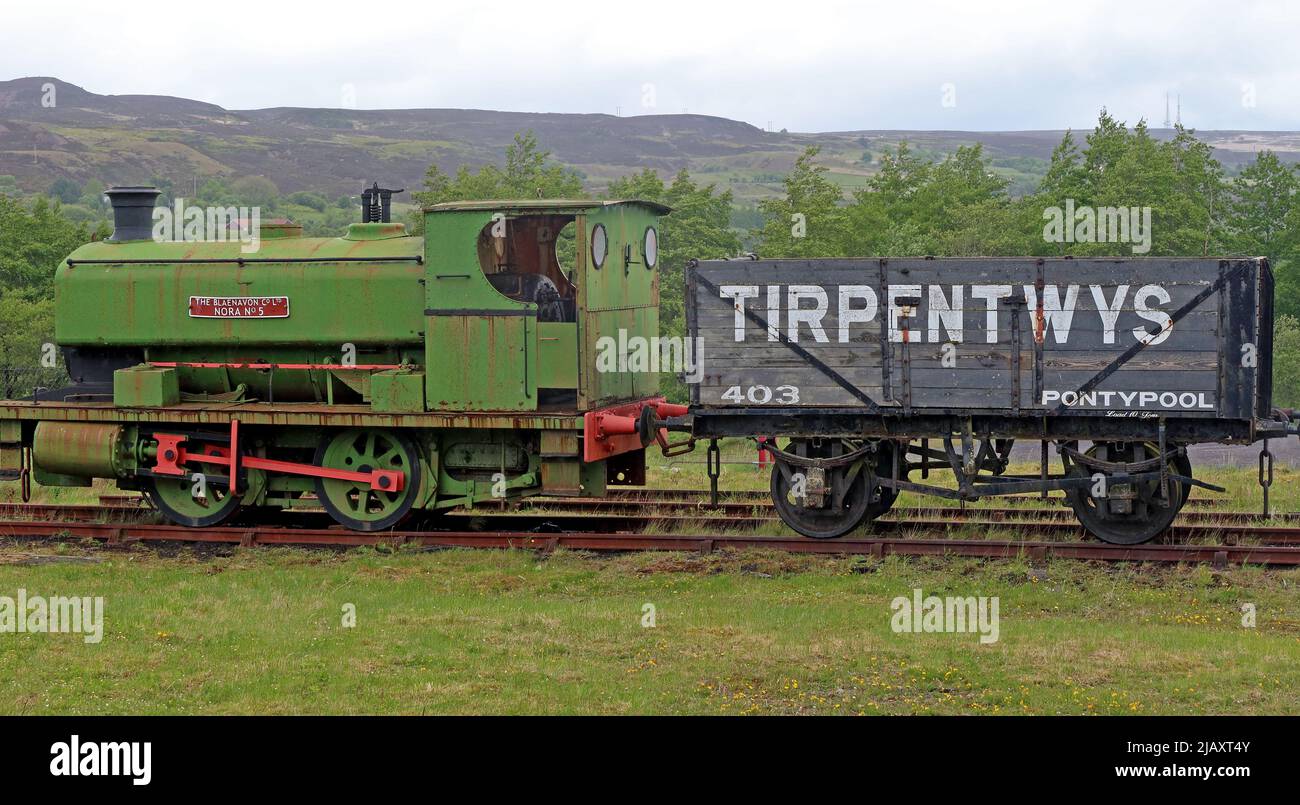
x: 871, y: 374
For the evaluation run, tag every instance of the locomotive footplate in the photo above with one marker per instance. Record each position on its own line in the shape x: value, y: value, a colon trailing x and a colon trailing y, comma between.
x: 190, y: 415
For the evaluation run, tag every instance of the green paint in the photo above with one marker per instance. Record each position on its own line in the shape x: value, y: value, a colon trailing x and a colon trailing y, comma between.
x: 330, y: 304
x: 621, y: 298
x: 11, y: 445
x: 397, y: 390
x: 557, y: 355
x: 145, y: 387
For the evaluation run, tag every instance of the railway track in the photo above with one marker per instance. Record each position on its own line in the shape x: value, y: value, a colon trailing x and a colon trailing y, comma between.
x: 875, y: 545
x: 622, y: 522
x: 700, y: 497
x: 749, y: 503
x: 649, y: 495
x: 664, y: 510
x: 914, y: 521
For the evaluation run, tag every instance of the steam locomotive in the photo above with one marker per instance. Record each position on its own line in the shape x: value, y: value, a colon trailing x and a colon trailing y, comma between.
x: 379, y: 372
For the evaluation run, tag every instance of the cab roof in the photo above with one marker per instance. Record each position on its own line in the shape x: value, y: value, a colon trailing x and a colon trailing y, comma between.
x: 555, y: 205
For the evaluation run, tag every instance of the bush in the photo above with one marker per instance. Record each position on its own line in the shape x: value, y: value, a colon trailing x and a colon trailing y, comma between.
x: 305, y: 198
x: 1286, y: 362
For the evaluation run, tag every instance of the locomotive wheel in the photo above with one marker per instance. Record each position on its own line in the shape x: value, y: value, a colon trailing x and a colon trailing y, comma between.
x: 1145, y: 518
x: 355, y: 505
x: 828, y: 520
x: 174, y: 497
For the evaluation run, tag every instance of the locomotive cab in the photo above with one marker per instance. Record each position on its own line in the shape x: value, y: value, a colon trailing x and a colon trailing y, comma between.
x: 520, y: 259
x: 526, y: 290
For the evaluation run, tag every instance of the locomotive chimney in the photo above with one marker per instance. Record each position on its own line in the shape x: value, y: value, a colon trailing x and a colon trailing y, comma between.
x: 132, y: 212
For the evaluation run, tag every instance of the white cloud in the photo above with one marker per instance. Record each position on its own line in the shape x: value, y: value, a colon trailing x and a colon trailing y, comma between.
x: 801, y: 64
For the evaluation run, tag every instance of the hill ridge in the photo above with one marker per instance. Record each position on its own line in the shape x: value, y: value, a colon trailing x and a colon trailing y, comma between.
x: 131, y: 138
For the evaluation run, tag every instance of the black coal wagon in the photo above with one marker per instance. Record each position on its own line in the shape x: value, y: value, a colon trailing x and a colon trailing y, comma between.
x: 864, y: 373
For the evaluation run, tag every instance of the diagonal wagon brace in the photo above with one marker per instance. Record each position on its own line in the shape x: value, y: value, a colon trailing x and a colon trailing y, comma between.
x: 1130, y: 353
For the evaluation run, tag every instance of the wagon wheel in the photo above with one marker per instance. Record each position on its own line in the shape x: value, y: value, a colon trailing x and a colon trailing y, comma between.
x: 175, y: 497
x: 1130, y: 513
x: 1184, y: 465
x: 354, y: 504
x: 886, y: 496
x: 830, y: 519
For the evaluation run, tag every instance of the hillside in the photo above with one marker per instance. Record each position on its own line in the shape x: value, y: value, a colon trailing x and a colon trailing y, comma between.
x: 119, y: 139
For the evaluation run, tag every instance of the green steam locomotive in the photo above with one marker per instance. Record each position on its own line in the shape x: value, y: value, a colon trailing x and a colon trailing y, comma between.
x: 374, y: 374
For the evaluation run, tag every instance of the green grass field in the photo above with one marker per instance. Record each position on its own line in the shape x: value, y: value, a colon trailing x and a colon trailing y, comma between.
x: 459, y: 631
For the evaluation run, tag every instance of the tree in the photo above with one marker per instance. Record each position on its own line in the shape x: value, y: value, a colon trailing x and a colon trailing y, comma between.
x: 1197, y: 201
x: 699, y: 226
x: 901, y: 175
x: 314, y: 201
x: 255, y: 191
x: 92, y: 197
x: 1178, y: 180
x: 914, y: 207
x: 1286, y: 362
x: 1263, y: 196
x: 214, y: 191
x: 33, y: 241
x: 528, y: 173
x: 65, y: 190
x: 1065, y: 176
x: 810, y: 221
x: 26, y: 328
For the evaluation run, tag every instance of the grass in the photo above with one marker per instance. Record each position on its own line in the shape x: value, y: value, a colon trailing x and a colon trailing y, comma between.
x: 459, y: 631
x: 261, y: 631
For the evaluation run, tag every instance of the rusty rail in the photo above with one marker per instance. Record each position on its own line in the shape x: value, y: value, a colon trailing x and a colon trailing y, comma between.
x: 588, y: 515
x: 877, y: 546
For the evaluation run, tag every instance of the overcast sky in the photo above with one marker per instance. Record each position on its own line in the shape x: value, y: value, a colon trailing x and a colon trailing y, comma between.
x: 805, y: 65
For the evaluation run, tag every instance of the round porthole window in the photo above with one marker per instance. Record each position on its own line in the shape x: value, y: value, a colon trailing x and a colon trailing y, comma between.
x: 650, y: 248
x: 599, y: 246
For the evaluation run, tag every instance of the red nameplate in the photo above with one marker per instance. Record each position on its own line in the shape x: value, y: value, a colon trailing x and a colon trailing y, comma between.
x: 239, y: 307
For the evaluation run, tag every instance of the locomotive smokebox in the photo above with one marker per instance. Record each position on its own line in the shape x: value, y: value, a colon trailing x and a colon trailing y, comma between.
x: 132, y: 212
